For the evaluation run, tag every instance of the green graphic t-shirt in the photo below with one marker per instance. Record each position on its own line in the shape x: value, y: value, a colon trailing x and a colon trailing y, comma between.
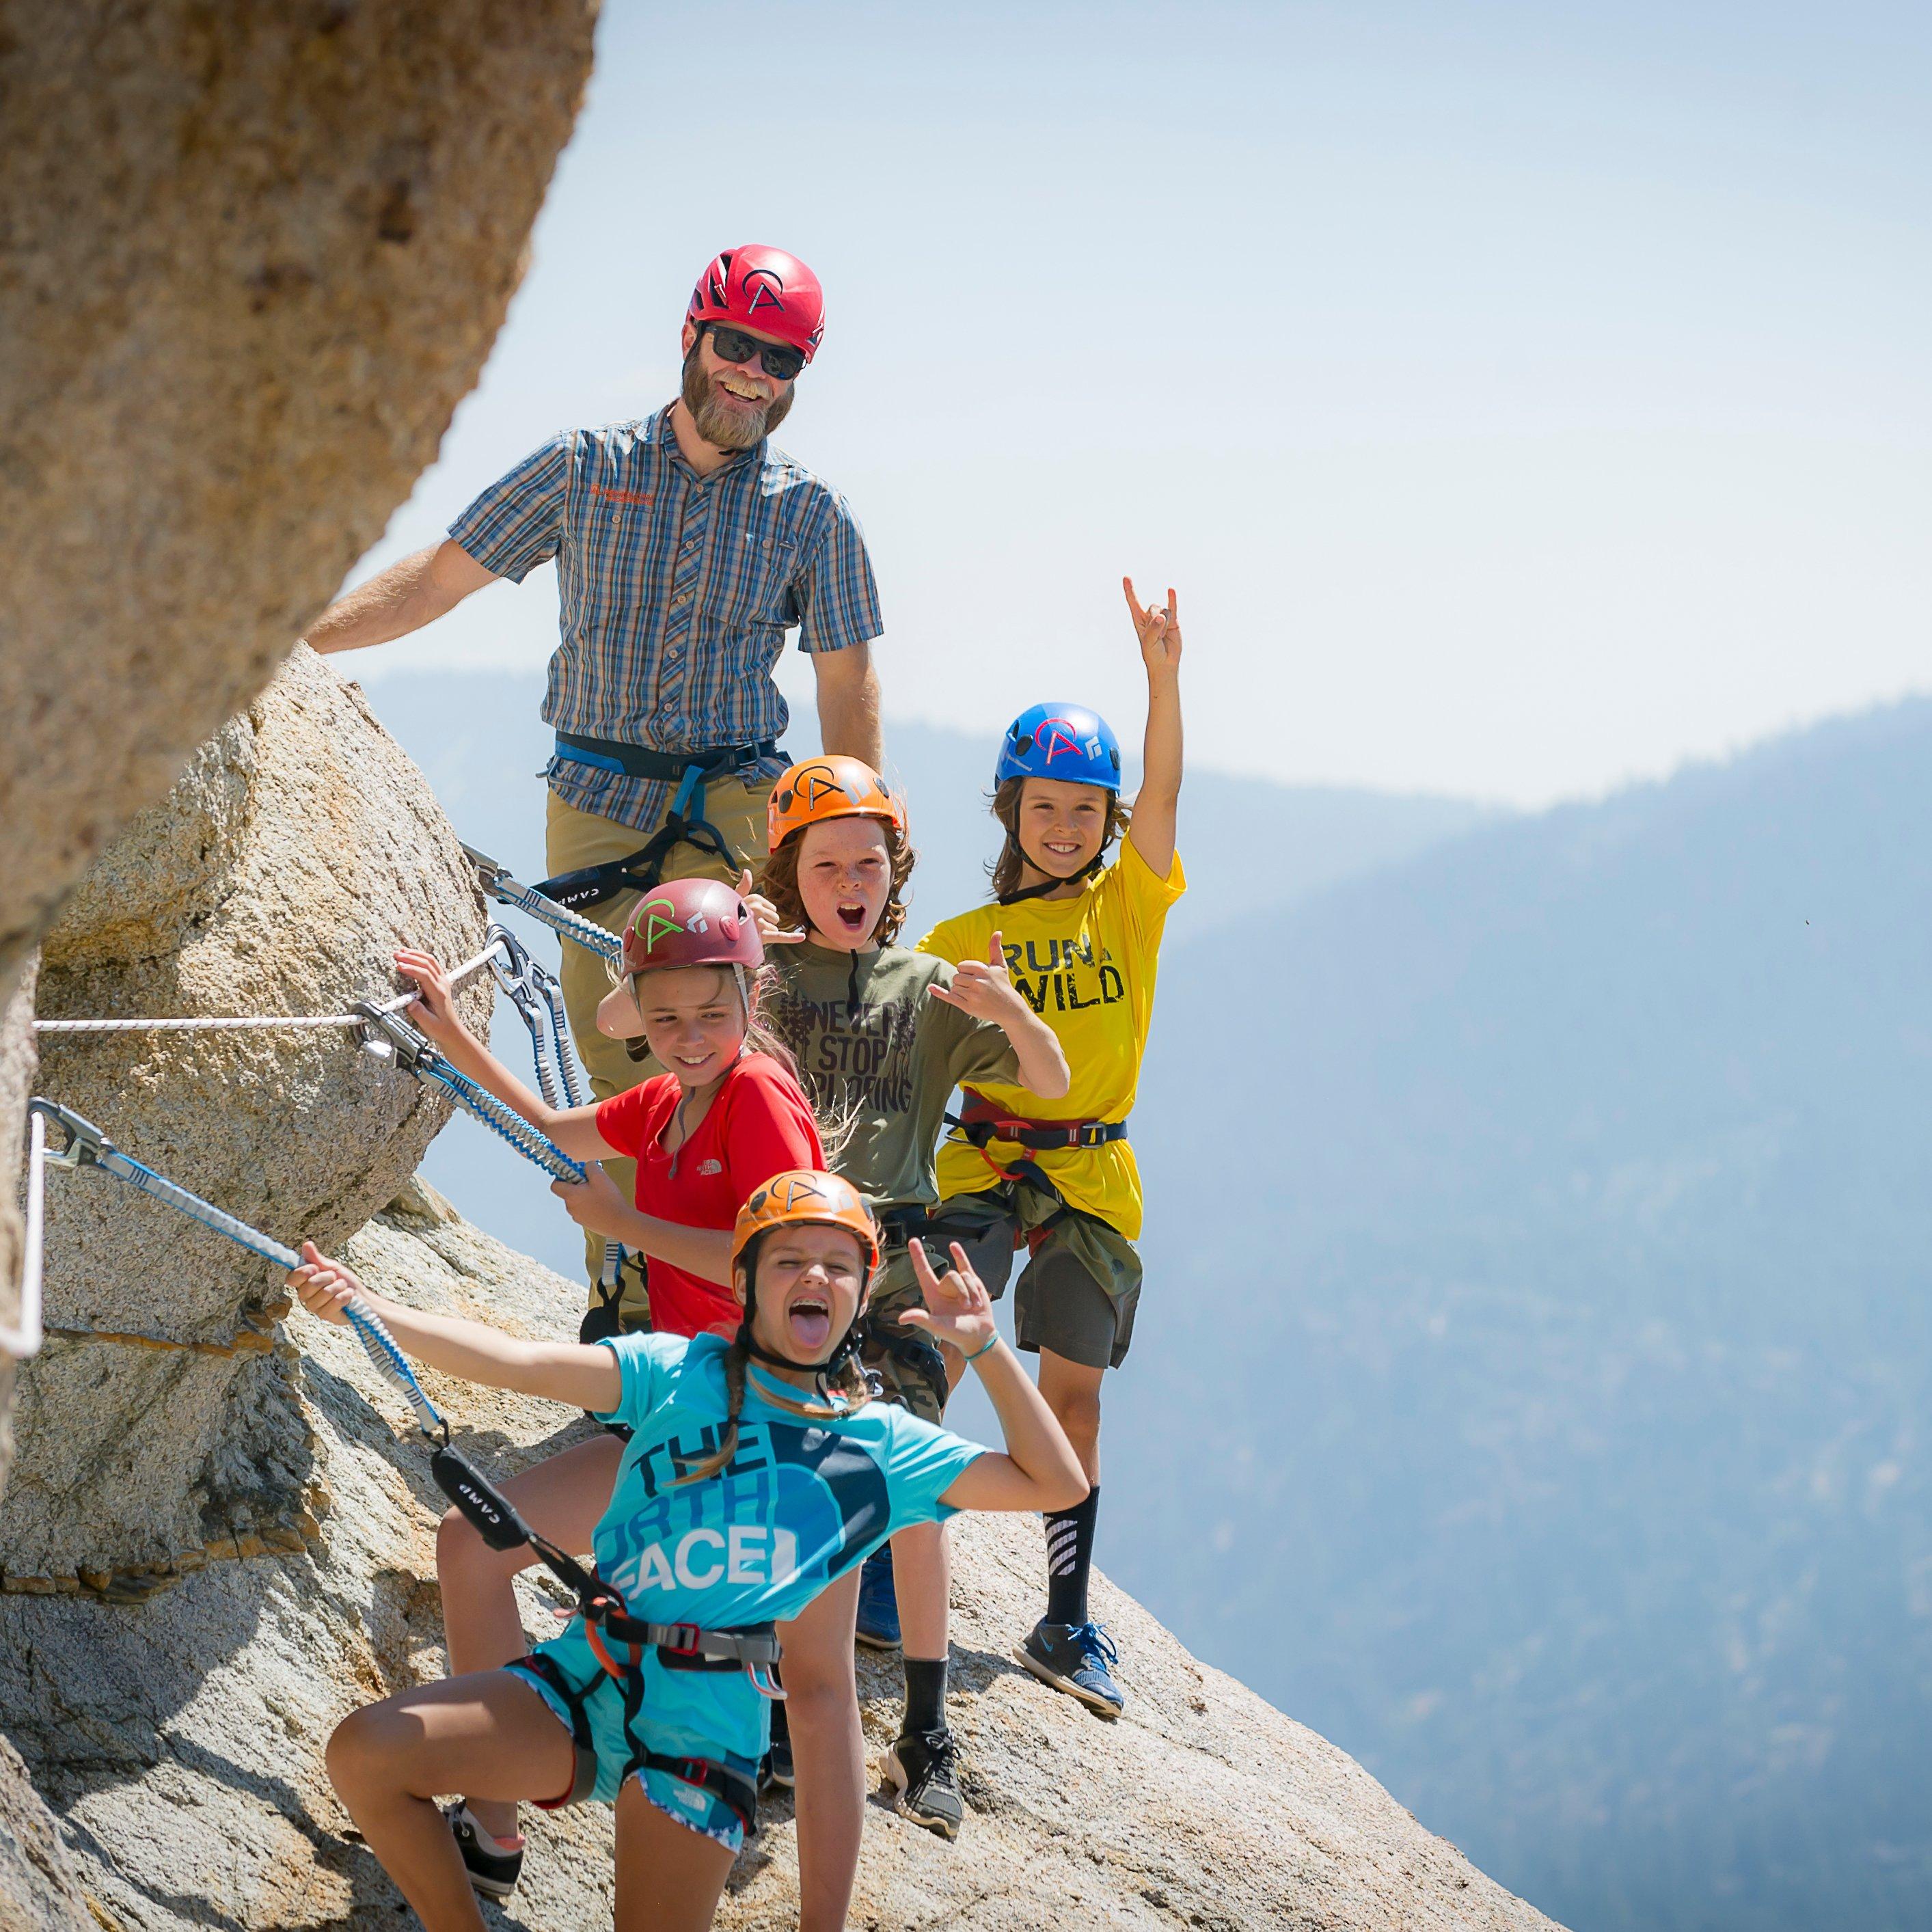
x: 870, y: 1041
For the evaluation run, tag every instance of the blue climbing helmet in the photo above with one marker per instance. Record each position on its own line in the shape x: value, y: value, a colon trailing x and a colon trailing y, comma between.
x: 1061, y: 741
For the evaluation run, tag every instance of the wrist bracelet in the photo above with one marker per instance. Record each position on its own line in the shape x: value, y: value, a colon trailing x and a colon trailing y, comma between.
x: 992, y: 1341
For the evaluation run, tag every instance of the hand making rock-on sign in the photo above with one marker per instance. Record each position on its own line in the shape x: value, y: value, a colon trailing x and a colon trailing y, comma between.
x: 686, y: 547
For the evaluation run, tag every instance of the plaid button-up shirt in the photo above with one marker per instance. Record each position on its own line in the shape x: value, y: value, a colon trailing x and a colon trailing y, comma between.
x: 677, y: 591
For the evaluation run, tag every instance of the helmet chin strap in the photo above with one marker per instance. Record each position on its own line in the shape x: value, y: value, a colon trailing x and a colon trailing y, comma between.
x: 1048, y: 883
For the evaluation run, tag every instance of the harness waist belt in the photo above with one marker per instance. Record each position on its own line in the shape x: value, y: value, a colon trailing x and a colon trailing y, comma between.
x: 981, y: 1121
x: 675, y: 1643
x: 638, y: 761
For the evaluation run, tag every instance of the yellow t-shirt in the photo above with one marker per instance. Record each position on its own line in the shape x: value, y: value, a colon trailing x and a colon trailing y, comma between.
x: 1086, y: 967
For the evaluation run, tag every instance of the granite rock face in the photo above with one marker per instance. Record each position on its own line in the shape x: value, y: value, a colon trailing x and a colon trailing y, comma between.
x: 159, y: 1426
x: 250, y: 258
x: 189, y: 1771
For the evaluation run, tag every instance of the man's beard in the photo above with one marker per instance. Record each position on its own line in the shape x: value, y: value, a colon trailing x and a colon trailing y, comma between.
x: 723, y: 427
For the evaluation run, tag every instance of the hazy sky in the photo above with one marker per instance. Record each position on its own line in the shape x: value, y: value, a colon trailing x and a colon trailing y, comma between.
x: 1521, y: 397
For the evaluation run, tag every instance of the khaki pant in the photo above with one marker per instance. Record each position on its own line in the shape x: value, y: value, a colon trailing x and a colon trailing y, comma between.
x: 574, y: 839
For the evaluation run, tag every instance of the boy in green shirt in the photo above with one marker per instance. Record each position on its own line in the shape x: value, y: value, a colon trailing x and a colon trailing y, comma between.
x: 882, y: 1036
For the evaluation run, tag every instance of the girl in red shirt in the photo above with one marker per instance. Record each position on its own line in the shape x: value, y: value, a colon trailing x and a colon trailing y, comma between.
x: 728, y: 1116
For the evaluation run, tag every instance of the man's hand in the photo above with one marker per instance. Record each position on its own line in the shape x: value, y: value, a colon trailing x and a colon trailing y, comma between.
x: 326, y: 1287
x: 985, y: 988
x: 958, y: 1311
x: 594, y: 1202
x: 432, y: 1011
x: 1158, y: 631
x: 765, y: 915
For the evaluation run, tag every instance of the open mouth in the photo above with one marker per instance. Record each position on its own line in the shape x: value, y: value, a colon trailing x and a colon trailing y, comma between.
x: 851, y: 918
x: 740, y: 392
x: 691, y: 1065
x: 1062, y: 851
x: 808, y: 1322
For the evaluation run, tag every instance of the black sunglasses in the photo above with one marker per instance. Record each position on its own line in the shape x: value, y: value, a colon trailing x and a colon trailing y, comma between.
x: 735, y: 345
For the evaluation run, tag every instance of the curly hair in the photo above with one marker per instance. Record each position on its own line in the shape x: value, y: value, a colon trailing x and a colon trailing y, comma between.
x: 778, y: 879
x: 1005, y: 871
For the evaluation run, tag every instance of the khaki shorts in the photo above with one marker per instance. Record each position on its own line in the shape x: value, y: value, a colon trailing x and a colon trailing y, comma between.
x: 574, y: 839
x: 1081, y: 1282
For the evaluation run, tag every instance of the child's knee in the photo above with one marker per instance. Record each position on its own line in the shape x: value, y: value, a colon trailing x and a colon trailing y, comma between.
x: 363, y: 1751
x: 461, y: 1553
x: 818, y: 1675
x: 1077, y: 1410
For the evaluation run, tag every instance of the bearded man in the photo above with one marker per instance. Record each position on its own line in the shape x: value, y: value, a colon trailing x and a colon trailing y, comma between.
x: 686, y: 547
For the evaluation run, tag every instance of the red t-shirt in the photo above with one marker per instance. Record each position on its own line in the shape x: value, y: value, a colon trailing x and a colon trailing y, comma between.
x: 757, y: 1125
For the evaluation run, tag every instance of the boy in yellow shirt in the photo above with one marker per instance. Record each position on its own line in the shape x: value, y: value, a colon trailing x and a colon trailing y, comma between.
x: 1082, y: 942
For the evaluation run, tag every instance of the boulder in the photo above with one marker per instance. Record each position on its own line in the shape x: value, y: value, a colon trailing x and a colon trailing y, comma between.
x: 160, y: 1426
x: 254, y: 256
x: 188, y: 1765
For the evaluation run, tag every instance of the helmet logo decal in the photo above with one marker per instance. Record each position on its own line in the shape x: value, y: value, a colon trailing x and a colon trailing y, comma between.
x: 763, y: 289
x: 794, y: 1188
x: 660, y: 921
x: 1058, y: 737
x: 819, y: 781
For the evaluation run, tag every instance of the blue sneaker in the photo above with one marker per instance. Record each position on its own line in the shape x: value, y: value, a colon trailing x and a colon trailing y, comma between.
x: 878, y: 1602
x: 1076, y: 1658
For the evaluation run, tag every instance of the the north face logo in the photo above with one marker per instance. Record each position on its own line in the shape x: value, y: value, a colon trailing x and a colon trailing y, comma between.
x: 711, y: 1167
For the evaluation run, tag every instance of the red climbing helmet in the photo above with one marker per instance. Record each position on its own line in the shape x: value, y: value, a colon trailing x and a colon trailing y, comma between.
x: 691, y: 923
x: 764, y: 289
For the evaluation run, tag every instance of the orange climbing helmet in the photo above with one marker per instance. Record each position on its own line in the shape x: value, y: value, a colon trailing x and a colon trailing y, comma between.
x: 803, y: 1197
x: 833, y: 787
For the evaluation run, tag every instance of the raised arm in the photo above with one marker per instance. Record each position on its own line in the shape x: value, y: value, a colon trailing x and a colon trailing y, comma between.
x: 566, y: 1371
x: 426, y: 585
x: 1155, y: 805
x: 848, y: 704
x: 1039, y: 1470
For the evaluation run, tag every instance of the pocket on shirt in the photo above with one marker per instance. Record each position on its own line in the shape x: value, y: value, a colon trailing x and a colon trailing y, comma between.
x: 751, y: 583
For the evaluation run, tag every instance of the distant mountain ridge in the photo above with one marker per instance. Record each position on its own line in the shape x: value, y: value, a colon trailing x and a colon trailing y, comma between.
x: 1566, y: 1189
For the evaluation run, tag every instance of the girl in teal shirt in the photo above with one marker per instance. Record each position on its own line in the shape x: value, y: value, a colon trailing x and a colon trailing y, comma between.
x: 757, y: 1472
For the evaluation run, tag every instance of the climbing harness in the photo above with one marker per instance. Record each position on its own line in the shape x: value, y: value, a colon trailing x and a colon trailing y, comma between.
x: 388, y: 1036
x: 492, y: 1514
x: 495, y: 881
x: 980, y: 1121
x: 534, y: 991
x: 684, y: 824
x: 257, y: 1021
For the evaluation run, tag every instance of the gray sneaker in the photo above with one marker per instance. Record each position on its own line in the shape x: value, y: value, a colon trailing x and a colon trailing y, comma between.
x: 923, y: 1767
x: 1077, y: 1658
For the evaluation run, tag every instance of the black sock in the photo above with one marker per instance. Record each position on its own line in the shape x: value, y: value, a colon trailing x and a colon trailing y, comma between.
x: 926, y: 1693
x: 1069, y: 1556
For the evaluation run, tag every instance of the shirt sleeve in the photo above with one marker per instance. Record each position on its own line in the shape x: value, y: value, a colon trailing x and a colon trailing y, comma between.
x: 945, y: 941
x: 645, y: 1362
x: 1144, y: 898
x: 837, y: 601
x: 620, y: 1119
x: 975, y: 1049
x: 923, y: 1463
x: 517, y: 523
x: 769, y: 1130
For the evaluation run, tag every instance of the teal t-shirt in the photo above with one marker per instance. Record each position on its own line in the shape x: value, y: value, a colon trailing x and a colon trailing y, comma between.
x: 800, y: 1502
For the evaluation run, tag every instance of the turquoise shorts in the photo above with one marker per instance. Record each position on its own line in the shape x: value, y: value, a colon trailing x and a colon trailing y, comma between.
x: 658, y: 1730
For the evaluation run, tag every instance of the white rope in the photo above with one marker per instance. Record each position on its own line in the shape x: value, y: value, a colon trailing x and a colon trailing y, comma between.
x: 24, y: 1339
x: 263, y: 1021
